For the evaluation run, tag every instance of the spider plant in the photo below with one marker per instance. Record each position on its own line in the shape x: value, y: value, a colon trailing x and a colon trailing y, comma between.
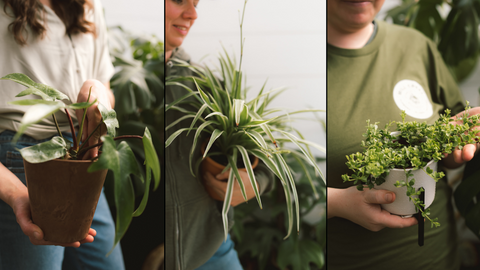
x: 240, y: 128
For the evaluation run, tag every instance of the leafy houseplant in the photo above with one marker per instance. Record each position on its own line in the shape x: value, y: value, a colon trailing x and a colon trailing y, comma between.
x: 117, y: 158
x: 412, y: 148
x: 258, y: 233
x: 239, y: 128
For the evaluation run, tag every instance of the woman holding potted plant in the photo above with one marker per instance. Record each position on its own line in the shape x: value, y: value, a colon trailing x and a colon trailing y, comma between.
x: 194, y: 231
x: 61, y: 43
x: 376, y: 70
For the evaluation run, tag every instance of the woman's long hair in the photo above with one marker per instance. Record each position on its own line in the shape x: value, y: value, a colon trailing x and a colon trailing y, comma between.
x: 71, y: 12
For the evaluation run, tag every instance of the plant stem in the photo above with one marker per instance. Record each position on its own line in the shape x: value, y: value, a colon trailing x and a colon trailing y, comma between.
x: 90, y: 135
x: 83, y: 118
x: 115, y: 139
x: 56, y: 125
x: 72, y: 128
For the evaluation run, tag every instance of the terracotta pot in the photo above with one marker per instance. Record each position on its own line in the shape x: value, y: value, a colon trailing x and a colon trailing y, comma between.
x: 210, y: 165
x: 402, y: 204
x: 63, y: 197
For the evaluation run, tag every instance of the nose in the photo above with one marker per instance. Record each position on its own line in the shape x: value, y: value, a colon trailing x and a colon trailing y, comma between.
x: 190, y: 11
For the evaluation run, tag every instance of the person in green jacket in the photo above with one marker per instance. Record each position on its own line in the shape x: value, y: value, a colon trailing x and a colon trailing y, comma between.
x: 376, y: 70
x: 194, y: 228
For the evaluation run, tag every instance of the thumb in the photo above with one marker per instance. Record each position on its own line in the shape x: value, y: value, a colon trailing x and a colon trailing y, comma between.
x: 28, y: 227
x: 379, y: 196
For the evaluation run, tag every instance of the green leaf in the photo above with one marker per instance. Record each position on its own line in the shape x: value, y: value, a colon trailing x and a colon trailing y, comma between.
x: 232, y: 161
x: 30, y: 102
x: 44, y: 91
x: 151, y: 157
x: 35, y: 114
x: 109, y: 119
x: 237, y: 109
x: 121, y: 161
x: 215, y: 134
x: 299, y: 254
x: 251, y: 175
x: 45, y: 151
x: 226, y: 202
x: 81, y: 105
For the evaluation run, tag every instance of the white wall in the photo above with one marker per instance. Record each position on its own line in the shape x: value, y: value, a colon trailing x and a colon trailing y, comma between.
x: 285, y: 42
x: 139, y: 16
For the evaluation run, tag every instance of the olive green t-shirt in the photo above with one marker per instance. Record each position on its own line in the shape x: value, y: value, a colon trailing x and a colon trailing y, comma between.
x: 399, y: 70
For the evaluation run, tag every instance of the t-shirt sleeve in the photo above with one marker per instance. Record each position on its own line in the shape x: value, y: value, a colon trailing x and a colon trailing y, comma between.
x: 103, y: 68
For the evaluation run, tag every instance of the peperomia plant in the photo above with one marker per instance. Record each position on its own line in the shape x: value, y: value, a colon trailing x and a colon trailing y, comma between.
x: 410, y: 148
x: 117, y: 158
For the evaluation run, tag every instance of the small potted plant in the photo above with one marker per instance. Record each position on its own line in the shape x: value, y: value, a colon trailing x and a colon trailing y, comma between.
x: 405, y: 161
x: 64, y: 189
x: 238, y: 129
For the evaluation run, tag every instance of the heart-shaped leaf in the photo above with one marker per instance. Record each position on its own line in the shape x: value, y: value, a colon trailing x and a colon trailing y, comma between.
x: 42, y: 152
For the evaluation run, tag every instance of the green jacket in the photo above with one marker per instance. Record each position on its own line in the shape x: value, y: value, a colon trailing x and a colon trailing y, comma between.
x: 194, y: 229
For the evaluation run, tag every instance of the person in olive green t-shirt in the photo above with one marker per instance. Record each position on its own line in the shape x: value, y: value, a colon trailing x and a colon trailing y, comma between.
x: 376, y: 70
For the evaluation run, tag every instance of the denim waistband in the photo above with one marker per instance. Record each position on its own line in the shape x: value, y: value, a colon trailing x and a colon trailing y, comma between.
x: 7, y: 136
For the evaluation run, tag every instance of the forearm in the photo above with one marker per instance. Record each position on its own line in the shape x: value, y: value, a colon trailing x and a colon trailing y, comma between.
x: 10, y: 186
x: 333, y: 195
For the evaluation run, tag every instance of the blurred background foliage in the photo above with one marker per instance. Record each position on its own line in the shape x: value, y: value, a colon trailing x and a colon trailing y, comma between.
x: 138, y: 85
x: 258, y: 233
x: 452, y: 24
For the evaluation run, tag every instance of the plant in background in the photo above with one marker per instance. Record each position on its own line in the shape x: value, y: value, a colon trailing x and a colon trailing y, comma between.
x: 456, y: 34
x: 117, y: 158
x: 240, y: 129
x: 412, y: 148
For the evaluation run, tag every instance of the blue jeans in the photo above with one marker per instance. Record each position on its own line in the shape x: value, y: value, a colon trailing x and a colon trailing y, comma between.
x: 224, y: 258
x: 16, y: 251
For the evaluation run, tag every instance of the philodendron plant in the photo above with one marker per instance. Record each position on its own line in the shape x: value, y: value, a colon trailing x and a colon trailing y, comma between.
x: 240, y: 129
x: 416, y: 145
x: 117, y: 158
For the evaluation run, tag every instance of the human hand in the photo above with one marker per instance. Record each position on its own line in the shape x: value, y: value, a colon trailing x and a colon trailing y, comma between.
x: 218, y: 185
x: 458, y: 157
x: 21, y: 208
x: 93, y: 117
x: 363, y: 208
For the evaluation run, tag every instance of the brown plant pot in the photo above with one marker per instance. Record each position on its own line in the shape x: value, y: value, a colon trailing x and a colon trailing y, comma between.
x: 63, y: 197
x: 213, y: 167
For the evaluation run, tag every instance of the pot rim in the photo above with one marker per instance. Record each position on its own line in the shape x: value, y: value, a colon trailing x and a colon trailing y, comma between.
x: 411, y: 169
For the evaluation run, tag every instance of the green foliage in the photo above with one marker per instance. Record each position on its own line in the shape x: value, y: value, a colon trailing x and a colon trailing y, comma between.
x: 410, y: 148
x: 120, y: 160
x: 456, y: 34
x: 239, y: 127
x: 258, y: 234
x: 138, y: 86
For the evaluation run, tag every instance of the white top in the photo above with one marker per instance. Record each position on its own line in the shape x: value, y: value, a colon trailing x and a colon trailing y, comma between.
x: 56, y: 60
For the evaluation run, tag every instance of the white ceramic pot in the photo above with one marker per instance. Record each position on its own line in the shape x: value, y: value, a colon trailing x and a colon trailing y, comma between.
x: 402, y: 205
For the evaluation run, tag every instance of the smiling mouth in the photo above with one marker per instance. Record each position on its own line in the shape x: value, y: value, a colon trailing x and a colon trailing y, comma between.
x: 181, y: 27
